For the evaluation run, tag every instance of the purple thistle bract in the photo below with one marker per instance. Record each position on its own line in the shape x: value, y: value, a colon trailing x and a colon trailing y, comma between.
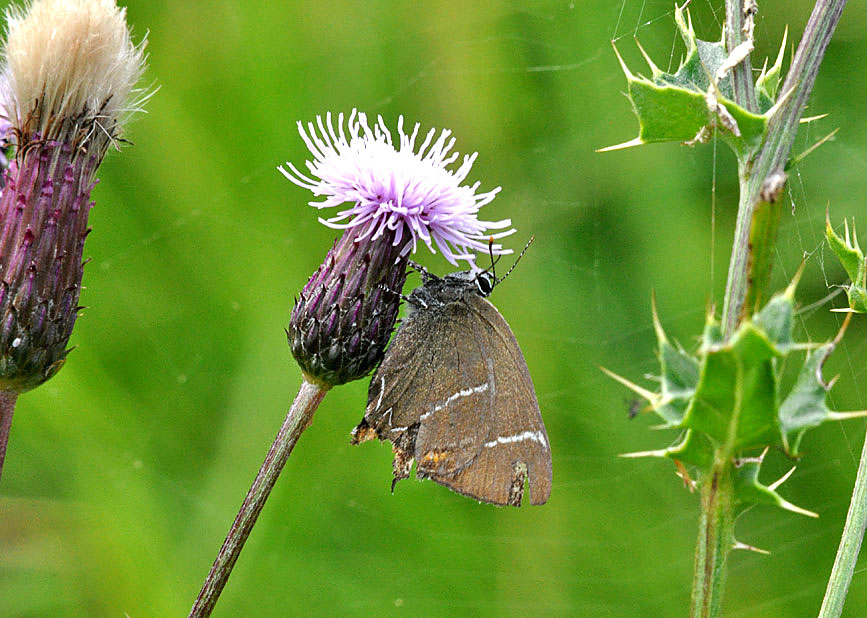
x: 394, y: 195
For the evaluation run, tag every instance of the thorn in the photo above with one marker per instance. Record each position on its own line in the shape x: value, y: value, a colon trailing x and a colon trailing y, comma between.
x: 810, y: 119
x: 652, y: 398
x: 796, y: 509
x: 844, y: 416
x: 659, y: 453
x: 790, y: 289
x: 623, y: 66
x: 794, y: 161
x: 782, y: 52
x: 843, y: 327
x: 633, y: 142
x: 657, y: 326
x: 654, y: 69
x: 779, y: 103
x: 739, y: 545
x: 683, y: 474
x: 773, y: 486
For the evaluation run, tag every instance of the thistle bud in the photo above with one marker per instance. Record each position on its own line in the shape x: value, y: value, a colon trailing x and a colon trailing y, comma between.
x: 396, y: 196
x: 341, y: 323
x: 69, y: 69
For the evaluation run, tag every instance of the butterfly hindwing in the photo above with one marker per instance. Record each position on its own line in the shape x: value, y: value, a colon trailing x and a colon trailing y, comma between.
x: 456, y: 421
x: 516, y: 448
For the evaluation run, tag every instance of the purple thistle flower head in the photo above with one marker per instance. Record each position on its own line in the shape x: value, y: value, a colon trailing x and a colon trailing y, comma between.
x: 396, y: 194
x: 397, y: 190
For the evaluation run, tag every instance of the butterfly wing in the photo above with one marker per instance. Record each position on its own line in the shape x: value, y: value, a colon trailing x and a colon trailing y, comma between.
x: 429, y: 396
x: 516, y: 446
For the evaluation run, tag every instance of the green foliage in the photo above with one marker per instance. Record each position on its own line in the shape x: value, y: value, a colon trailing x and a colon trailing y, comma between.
x: 726, y: 398
x: 685, y: 106
x: 769, y: 79
x: 848, y: 251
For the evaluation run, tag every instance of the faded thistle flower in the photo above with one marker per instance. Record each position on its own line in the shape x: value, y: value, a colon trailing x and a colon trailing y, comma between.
x: 394, y: 195
x: 67, y: 84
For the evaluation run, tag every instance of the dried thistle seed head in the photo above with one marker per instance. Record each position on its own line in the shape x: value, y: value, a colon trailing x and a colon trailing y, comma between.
x: 71, y: 70
x: 396, y: 196
x: 68, y: 73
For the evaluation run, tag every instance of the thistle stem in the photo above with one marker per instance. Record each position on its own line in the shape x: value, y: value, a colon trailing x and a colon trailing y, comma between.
x: 742, y: 73
x: 716, y: 522
x: 297, y: 420
x: 7, y: 408
x: 715, y: 539
x: 771, y: 158
x: 850, y: 545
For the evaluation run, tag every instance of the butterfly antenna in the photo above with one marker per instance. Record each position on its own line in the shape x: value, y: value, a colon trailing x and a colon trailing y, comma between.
x: 417, y: 267
x: 492, y: 268
x: 518, y: 259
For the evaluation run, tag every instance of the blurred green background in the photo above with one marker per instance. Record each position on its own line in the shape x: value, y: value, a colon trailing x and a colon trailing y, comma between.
x: 125, y: 471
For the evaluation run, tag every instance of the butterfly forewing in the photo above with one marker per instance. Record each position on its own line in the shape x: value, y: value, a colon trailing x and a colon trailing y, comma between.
x: 410, y: 393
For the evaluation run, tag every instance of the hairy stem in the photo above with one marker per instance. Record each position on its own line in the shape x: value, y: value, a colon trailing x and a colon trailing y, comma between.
x: 297, y: 420
x: 7, y: 408
x: 742, y: 73
x: 715, y: 539
x: 850, y: 545
x: 758, y: 169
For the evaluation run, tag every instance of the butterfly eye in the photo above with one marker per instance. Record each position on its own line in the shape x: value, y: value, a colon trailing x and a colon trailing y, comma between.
x: 485, y: 282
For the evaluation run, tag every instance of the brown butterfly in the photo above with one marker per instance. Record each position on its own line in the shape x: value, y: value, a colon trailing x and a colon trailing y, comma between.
x: 454, y: 394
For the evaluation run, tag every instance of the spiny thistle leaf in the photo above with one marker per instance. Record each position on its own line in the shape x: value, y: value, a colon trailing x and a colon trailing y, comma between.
x: 805, y: 407
x: 726, y: 398
x: 736, y: 397
x: 848, y: 251
x: 749, y: 491
x: 686, y: 105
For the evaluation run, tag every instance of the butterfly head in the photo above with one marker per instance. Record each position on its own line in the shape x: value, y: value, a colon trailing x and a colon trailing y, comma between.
x: 486, y: 280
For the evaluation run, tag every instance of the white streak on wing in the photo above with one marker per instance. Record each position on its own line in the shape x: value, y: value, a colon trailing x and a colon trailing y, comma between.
x: 393, y: 429
x: 381, y: 393
x: 535, y: 436
x: 481, y: 388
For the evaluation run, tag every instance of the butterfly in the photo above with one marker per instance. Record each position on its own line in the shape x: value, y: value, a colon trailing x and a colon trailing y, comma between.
x: 453, y: 393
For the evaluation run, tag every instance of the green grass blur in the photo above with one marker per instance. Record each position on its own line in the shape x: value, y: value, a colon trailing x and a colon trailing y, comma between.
x: 125, y: 471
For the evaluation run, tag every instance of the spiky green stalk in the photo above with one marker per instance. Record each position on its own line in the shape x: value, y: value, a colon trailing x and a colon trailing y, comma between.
x: 715, y: 539
x: 726, y: 399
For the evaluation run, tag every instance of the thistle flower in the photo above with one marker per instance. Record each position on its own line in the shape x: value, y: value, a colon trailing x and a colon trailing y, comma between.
x: 68, y: 74
x: 395, y: 196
